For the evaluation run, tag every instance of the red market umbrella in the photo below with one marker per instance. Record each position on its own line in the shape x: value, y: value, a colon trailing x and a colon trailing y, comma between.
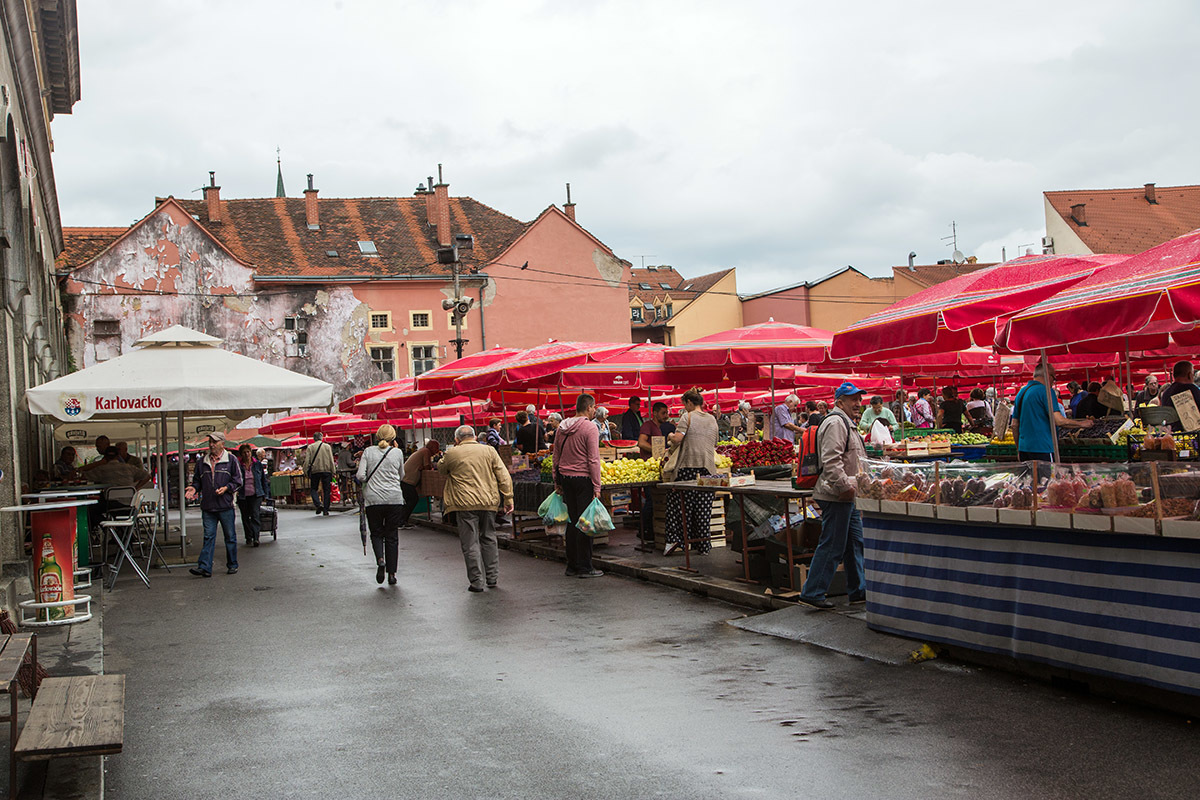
x: 305, y: 424
x: 641, y: 367
x: 350, y: 426
x: 442, y: 378
x: 348, y: 405
x: 960, y: 312
x: 767, y: 343
x: 1130, y: 305
x: 530, y: 366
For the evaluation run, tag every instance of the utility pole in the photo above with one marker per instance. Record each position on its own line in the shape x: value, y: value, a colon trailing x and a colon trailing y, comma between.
x: 459, y: 305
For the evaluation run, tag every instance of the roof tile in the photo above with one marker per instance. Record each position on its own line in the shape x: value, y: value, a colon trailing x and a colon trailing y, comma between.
x: 1124, y: 221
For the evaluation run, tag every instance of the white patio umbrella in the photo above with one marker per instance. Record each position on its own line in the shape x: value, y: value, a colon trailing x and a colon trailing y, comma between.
x: 177, y: 371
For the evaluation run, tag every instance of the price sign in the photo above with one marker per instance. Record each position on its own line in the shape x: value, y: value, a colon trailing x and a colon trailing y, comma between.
x: 1189, y: 414
x: 658, y: 446
x: 1000, y: 423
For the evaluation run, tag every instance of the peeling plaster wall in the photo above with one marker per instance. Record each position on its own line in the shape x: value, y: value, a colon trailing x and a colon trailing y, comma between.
x: 207, y: 289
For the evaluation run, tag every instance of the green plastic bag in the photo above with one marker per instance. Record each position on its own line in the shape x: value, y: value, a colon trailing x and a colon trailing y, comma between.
x: 553, y: 510
x: 595, y: 520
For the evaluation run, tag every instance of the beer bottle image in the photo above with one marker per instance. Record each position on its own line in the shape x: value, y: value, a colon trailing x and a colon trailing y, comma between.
x: 50, y: 581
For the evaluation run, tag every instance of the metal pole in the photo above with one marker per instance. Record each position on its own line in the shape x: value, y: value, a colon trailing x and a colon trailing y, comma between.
x: 1049, y: 410
x: 182, y: 501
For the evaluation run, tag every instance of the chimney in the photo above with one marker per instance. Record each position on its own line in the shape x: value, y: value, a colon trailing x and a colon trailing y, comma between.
x: 569, y: 208
x: 1150, y: 196
x: 1079, y: 214
x: 430, y: 204
x: 311, y: 213
x: 212, y: 198
x: 442, y: 207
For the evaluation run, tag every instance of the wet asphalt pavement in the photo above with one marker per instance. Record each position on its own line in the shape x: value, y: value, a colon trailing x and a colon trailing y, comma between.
x: 300, y: 677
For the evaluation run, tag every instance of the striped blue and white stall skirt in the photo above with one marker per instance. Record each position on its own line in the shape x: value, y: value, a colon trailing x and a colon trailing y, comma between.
x: 1119, y: 605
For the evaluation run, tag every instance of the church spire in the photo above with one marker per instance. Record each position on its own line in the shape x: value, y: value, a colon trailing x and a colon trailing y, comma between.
x: 279, y: 192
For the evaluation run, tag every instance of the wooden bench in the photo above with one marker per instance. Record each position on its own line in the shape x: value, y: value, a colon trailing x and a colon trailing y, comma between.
x: 82, y: 715
x: 13, y: 648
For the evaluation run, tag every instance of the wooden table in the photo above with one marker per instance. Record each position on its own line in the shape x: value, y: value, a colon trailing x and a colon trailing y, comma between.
x: 13, y: 648
x: 782, y: 489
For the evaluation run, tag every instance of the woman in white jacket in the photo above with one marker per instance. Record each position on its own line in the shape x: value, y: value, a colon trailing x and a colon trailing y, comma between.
x: 379, y: 472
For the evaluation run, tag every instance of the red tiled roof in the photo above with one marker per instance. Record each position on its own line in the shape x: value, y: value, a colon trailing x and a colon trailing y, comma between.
x: 272, y: 235
x: 1124, y: 221
x: 655, y: 276
x: 84, y: 244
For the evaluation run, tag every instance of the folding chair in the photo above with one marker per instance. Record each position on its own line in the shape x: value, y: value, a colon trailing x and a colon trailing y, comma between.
x: 121, y: 524
x: 146, y: 525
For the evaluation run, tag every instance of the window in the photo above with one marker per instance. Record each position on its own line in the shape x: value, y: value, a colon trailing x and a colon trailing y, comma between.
x: 450, y: 321
x: 107, y: 338
x: 420, y: 320
x: 665, y: 285
x: 645, y: 286
x: 295, y: 323
x: 636, y: 314
x: 668, y: 307
x: 384, y: 360
x: 367, y: 248
x: 424, y: 358
x: 658, y: 313
x: 381, y: 320
x: 296, y: 344
x: 331, y: 253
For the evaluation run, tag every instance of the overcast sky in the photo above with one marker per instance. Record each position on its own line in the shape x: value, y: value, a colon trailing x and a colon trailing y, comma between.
x: 787, y: 139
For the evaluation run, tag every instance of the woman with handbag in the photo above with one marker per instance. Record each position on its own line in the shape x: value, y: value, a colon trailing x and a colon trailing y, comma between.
x: 254, y: 489
x: 693, y: 453
x: 380, y: 470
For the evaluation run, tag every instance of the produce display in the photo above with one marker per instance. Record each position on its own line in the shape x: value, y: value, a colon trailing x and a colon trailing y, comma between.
x: 527, y: 476
x: 630, y: 470
x: 1101, y: 429
x: 723, y: 461
x: 759, y: 454
x: 970, y: 439
x: 290, y: 473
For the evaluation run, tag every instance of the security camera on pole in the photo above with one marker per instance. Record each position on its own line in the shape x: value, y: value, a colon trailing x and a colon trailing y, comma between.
x: 459, y: 305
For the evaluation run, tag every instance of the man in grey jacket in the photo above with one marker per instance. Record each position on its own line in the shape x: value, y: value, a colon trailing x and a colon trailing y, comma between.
x: 840, y: 450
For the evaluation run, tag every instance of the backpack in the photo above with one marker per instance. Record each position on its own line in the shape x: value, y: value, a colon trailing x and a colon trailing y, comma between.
x: 808, y: 460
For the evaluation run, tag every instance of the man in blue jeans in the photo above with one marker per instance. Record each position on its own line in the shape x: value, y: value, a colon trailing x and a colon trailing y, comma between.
x: 217, y: 480
x: 840, y: 451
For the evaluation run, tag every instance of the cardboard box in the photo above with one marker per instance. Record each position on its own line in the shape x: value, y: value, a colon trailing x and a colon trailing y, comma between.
x: 1054, y: 519
x: 1014, y: 516
x: 867, y: 504
x: 1181, y: 528
x: 921, y: 510
x: 1142, y: 525
x: 893, y: 507
x: 981, y: 514
x: 952, y: 513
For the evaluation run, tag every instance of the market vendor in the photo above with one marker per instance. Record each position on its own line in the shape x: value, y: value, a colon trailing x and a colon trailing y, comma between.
x: 1031, y: 420
x: 743, y: 424
x: 783, y: 419
x: 1149, y: 394
x: 979, y: 411
x: 529, y: 437
x: 952, y: 411
x: 877, y: 411
x: 922, y: 412
x: 631, y: 420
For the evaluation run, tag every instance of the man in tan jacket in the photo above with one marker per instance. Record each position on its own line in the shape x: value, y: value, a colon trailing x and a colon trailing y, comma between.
x: 319, y: 466
x: 476, y: 483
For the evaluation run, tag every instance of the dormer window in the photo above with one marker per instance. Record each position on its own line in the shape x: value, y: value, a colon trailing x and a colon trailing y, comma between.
x: 636, y: 314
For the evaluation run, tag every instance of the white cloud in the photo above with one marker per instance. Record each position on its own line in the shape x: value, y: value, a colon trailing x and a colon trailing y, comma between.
x: 786, y: 139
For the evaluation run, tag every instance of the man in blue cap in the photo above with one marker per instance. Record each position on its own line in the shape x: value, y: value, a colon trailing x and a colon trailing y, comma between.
x: 840, y: 450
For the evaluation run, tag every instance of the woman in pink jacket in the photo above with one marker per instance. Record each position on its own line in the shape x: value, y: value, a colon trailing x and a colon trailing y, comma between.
x: 577, y: 479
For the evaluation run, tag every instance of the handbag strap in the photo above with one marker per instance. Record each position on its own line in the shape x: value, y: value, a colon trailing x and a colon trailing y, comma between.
x: 375, y: 468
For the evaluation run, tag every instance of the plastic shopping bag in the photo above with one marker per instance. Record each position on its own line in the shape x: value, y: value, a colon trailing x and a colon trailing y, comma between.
x: 880, y: 434
x: 594, y: 520
x: 553, y: 510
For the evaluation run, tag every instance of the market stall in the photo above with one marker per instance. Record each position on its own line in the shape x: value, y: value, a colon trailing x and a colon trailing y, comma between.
x: 1086, y: 567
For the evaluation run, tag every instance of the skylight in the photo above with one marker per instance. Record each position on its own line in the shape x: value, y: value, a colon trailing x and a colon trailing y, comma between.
x: 331, y: 253
x: 367, y: 248
x: 644, y: 286
x: 665, y: 285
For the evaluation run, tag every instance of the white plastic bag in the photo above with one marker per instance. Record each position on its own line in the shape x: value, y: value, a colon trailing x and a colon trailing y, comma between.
x: 880, y: 435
